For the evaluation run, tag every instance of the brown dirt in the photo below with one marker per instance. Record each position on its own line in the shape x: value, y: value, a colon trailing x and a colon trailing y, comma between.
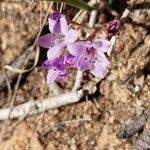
x: 111, y: 109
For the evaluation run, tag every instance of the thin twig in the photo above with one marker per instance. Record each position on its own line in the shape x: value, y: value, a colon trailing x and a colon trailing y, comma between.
x: 36, y: 129
x: 31, y: 3
x: 81, y: 25
x: 78, y: 80
x: 40, y: 5
x: 57, y: 6
x: 18, y: 63
x: 12, y: 103
x: 44, y: 133
x: 8, y: 84
x: 93, y: 15
x: 61, y: 7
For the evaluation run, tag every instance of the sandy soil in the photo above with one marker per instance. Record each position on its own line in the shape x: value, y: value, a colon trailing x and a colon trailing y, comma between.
x: 113, y: 105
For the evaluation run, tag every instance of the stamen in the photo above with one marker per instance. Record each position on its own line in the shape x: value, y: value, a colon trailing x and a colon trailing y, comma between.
x: 91, y: 51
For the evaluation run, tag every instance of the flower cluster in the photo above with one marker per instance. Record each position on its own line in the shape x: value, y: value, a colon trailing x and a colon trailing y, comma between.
x: 65, y: 50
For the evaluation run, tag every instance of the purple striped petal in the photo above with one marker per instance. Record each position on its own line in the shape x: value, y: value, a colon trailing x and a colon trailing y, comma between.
x: 55, y: 51
x: 100, y: 67
x: 57, y: 23
x: 83, y: 63
x: 102, y: 45
x: 71, y: 36
x: 46, y: 41
x: 77, y: 48
x: 52, y: 76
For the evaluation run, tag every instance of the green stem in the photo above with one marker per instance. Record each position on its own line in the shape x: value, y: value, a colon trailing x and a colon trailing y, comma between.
x: 110, y: 2
x: 75, y: 3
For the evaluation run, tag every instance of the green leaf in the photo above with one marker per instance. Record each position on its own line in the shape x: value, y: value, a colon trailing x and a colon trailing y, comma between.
x: 109, y: 2
x: 75, y: 3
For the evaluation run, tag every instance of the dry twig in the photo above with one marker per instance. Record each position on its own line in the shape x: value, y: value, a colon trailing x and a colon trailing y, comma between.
x: 18, y: 63
x: 34, y: 107
x: 144, y: 142
x: 46, y: 131
x: 134, y: 127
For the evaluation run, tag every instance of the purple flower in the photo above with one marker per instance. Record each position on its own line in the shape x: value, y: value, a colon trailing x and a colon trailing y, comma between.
x: 90, y: 56
x: 59, y: 37
x: 57, y: 69
x: 113, y: 27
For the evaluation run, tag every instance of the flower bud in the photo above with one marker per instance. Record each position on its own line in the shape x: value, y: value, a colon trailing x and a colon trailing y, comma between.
x: 113, y: 27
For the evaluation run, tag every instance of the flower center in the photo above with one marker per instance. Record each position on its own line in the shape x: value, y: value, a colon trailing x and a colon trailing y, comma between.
x: 56, y: 16
x: 59, y: 38
x: 91, y: 51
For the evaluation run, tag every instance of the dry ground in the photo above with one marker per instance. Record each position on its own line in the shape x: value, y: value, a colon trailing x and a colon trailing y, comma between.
x: 114, y: 103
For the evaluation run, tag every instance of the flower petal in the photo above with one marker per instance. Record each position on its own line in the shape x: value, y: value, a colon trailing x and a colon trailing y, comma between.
x: 52, y: 76
x: 102, y: 44
x: 69, y: 59
x: 58, y: 23
x: 55, y: 51
x: 48, y: 64
x: 46, y: 41
x: 83, y: 63
x: 54, y: 22
x: 77, y: 48
x: 100, y: 67
x: 103, y: 59
x: 59, y: 64
x: 62, y: 74
x: 54, y: 26
x: 71, y: 36
x: 63, y: 24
